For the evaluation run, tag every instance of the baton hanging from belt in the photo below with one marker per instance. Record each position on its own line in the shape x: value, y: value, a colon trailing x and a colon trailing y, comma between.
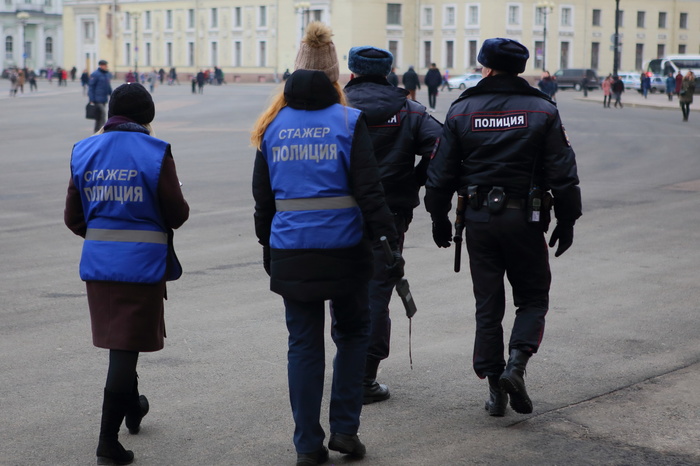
x: 459, y: 230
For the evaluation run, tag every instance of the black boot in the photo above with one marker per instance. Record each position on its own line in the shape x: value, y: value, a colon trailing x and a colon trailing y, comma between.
x: 498, y: 398
x: 109, y: 450
x: 373, y: 390
x: 513, y: 383
x: 138, y: 408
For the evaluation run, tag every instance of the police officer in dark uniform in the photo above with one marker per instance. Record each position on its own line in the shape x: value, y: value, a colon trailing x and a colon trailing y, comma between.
x: 400, y: 129
x: 504, y: 149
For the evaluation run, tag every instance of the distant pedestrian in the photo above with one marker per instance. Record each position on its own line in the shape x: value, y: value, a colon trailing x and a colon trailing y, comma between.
x: 99, y: 90
x: 679, y: 82
x: 618, y: 87
x: 547, y: 84
x: 84, y: 80
x: 161, y: 75
x: 152, y: 79
x: 433, y: 79
x: 670, y: 86
x: 645, y: 84
x: 392, y: 78
x: 286, y: 75
x: 73, y: 72
x: 686, y: 95
x: 606, y: 85
x: 411, y: 82
x: 172, y: 77
x: 31, y: 77
x: 445, y: 81
x: 201, y: 79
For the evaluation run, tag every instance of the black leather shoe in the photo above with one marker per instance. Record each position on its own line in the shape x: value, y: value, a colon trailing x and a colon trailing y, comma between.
x: 375, y: 392
x: 311, y: 459
x: 513, y: 383
x: 498, y: 398
x: 135, y: 414
x: 347, y: 444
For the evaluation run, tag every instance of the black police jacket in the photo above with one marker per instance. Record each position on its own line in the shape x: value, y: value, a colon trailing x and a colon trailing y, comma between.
x: 400, y: 129
x: 494, y: 134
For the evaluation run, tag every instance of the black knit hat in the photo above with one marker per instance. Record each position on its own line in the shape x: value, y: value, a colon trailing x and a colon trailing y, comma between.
x: 503, y: 55
x: 132, y: 101
x: 368, y: 61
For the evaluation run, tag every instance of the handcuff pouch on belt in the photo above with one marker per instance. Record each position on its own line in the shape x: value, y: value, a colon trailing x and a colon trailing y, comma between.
x: 496, y: 199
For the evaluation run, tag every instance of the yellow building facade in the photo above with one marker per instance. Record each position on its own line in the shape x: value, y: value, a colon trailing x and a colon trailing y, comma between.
x: 257, y: 40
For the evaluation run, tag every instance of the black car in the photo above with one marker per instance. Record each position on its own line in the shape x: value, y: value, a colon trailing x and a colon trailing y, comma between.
x: 573, y: 78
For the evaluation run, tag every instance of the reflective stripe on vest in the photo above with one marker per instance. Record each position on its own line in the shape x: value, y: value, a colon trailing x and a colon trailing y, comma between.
x: 126, y: 236
x: 315, y: 203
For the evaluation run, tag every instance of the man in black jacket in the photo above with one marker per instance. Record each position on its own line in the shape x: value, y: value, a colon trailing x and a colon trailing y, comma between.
x: 504, y: 149
x: 400, y: 129
x: 411, y: 82
x: 433, y: 79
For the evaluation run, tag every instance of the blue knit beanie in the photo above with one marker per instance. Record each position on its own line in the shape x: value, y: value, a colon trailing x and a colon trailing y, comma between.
x: 503, y: 55
x: 367, y: 60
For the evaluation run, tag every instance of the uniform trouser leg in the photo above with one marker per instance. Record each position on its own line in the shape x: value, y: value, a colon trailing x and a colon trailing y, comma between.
x: 351, y: 322
x: 507, y: 244
x: 305, y: 369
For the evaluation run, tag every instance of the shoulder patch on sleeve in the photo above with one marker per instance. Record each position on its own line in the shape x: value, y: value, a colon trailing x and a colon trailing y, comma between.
x: 566, y: 136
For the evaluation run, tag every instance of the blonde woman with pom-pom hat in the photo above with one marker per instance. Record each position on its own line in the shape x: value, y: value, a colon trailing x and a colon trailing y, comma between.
x: 319, y: 204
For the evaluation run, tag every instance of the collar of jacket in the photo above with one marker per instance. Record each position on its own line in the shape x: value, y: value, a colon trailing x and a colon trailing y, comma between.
x: 369, y: 79
x: 121, y: 123
x: 504, y: 84
x: 310, y: 90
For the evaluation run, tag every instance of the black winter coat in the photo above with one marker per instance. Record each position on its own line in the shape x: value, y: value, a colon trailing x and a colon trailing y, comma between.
x: 410, y: 80
x: 321, y: 274
x: 433, y: 78
x: 493, y: 134
x: 400, y: 129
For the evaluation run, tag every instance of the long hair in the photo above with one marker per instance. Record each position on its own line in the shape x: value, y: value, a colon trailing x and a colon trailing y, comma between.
x: 278, y: 103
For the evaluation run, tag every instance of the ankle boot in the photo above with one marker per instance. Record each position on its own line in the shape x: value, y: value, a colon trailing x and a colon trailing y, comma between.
x: 109, y: 450
x: 498, y: 398
x: 513, y: 383
x: 373, y: 390
x: 138, y: 408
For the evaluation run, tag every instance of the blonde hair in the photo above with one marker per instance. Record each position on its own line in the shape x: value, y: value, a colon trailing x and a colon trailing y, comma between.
x: 276, y: 105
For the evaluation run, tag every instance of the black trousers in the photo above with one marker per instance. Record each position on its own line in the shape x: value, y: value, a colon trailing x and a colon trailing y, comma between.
x: 499, y: 245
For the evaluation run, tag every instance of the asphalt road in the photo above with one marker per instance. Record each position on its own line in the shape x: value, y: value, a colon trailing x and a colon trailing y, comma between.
x: 615, y: 382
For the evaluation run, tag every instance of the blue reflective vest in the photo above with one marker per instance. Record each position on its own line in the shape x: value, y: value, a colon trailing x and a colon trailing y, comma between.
x: 308, y: 155
x: 117, y: 175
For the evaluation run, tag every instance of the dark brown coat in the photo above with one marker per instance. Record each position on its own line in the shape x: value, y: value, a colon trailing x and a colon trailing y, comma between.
x: 128, y: 316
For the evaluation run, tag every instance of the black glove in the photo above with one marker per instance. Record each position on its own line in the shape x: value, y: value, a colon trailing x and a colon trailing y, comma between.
x: 395, y: 270
x: 442, y: 232
x: 564, y: 233
x: 266, y: 259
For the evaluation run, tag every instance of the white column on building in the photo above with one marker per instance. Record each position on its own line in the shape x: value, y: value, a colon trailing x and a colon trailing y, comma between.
x: 40, y: 60
x: 58, y: 50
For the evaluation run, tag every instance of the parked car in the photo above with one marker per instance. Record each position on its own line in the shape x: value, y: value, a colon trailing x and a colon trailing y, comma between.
x: 464, y: 81
x: 658, y: 84
x: 632, y: 80
x: 573, y: 78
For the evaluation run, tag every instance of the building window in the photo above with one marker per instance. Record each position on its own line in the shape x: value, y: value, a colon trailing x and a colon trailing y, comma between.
x: 473, y: 15
x: 190, y: 54
x: 449, y: 20
x: 214, y: 18
x: 394, y: 49
x: 89, y: 30
x: 190, y: 18
x: 539, y: 16
x: 169, y: 53
x: 564, y: 55
x: 127, y: 53
x: 215, y: 54
x: 681, y: 48
x: 596, y: 18
x: 513, y: 15
x: 660, y: 50
x: 595, y: 54
x: 683, y: 23
x: 640, y: 19
x: 471, y: 59
x: 48, y: 48
x: 566, y: 17
x: 638, y: 56
x: 621, y: 18
x: 262, y: 53
x: 427, y: 55
x: 237, y: 53
x: 262, y: 18
x: 127, y: 21
x: 8, y: 47
x: 393, y: 14
x: 662, y: 20
x: 148, y: 54
x: 450, y: 54
x: 428, y: 16
x: 237, y: 17
x: 317, y: 15
x: 539, y: 50
x: 147, y: 21
x: 168, y: 19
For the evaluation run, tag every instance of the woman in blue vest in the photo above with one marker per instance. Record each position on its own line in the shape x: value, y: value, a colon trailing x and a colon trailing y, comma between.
x: 124, y: 198
x: 318, y: 204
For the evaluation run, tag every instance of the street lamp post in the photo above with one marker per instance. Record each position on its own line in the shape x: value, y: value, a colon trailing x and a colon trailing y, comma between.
x: 23, y: 17
x: 546, y: 7
x: 616, y: 45
x: 136, y: 45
